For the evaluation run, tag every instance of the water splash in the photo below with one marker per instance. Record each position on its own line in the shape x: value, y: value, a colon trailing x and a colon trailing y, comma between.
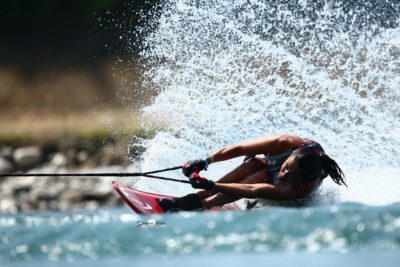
x: 232, y: 70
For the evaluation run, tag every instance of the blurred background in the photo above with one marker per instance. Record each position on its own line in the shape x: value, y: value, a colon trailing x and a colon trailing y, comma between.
x: 69, y: 88
x: 59, y: 58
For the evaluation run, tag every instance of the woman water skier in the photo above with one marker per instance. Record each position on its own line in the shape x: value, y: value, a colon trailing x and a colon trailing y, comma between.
x: 292, y: 168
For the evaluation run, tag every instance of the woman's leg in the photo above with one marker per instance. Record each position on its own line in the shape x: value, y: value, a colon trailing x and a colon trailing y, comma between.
x: 244, y: 170
x: 221, y: 199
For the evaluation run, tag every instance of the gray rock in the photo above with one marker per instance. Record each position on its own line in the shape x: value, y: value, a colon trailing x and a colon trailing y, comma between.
x: 27, y: 157
x: 24, y: 197
x: 6, y: 152
x: 8, y: 205
x: 5, y: 166
x: 102, y: 189
x: 75, y: 184
x: 42, y: 205
x: 58, y: 160
x: 6, y: 188
x: 92, y: 205
x: 71, y: 196
x: 21, y: 184
x: 48, y: 191
x: 82, y: 156
x: 40, y: 193
x: 53, y: 205
x: 54, y: 190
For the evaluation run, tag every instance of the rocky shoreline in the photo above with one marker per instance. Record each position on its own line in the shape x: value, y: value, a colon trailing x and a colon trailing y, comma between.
x: 22, y: 194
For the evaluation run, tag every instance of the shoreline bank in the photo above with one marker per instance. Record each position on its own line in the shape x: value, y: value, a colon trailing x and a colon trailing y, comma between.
x: 93, y: 153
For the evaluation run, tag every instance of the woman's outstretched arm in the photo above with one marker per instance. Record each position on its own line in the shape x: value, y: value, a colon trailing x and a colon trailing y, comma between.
x: 268, y: 144
x: 261, y: 190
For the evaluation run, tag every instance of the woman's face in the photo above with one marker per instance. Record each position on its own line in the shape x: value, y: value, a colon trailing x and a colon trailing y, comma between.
x: 289, y: 171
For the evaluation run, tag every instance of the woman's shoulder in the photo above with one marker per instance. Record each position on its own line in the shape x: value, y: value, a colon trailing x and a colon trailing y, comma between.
x: 292, y: 141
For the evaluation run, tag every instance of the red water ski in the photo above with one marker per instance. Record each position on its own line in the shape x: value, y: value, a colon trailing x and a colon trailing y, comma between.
x: 141, y: 202
x: 146, y: 203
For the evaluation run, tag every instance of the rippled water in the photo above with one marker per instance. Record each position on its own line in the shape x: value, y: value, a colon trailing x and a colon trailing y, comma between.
x: 122, y: 236
x: 232, y: 70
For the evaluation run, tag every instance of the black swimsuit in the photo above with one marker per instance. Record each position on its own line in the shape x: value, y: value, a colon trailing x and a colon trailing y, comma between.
x: 275, y: 161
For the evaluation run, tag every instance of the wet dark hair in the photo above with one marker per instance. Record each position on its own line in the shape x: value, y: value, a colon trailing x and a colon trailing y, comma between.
x: 315, y: 164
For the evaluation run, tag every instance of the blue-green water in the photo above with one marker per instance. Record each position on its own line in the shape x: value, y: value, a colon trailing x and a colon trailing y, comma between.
x: 348, y: 233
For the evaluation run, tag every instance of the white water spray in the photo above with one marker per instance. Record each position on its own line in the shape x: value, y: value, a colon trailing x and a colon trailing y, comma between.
x: 233, y: 70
